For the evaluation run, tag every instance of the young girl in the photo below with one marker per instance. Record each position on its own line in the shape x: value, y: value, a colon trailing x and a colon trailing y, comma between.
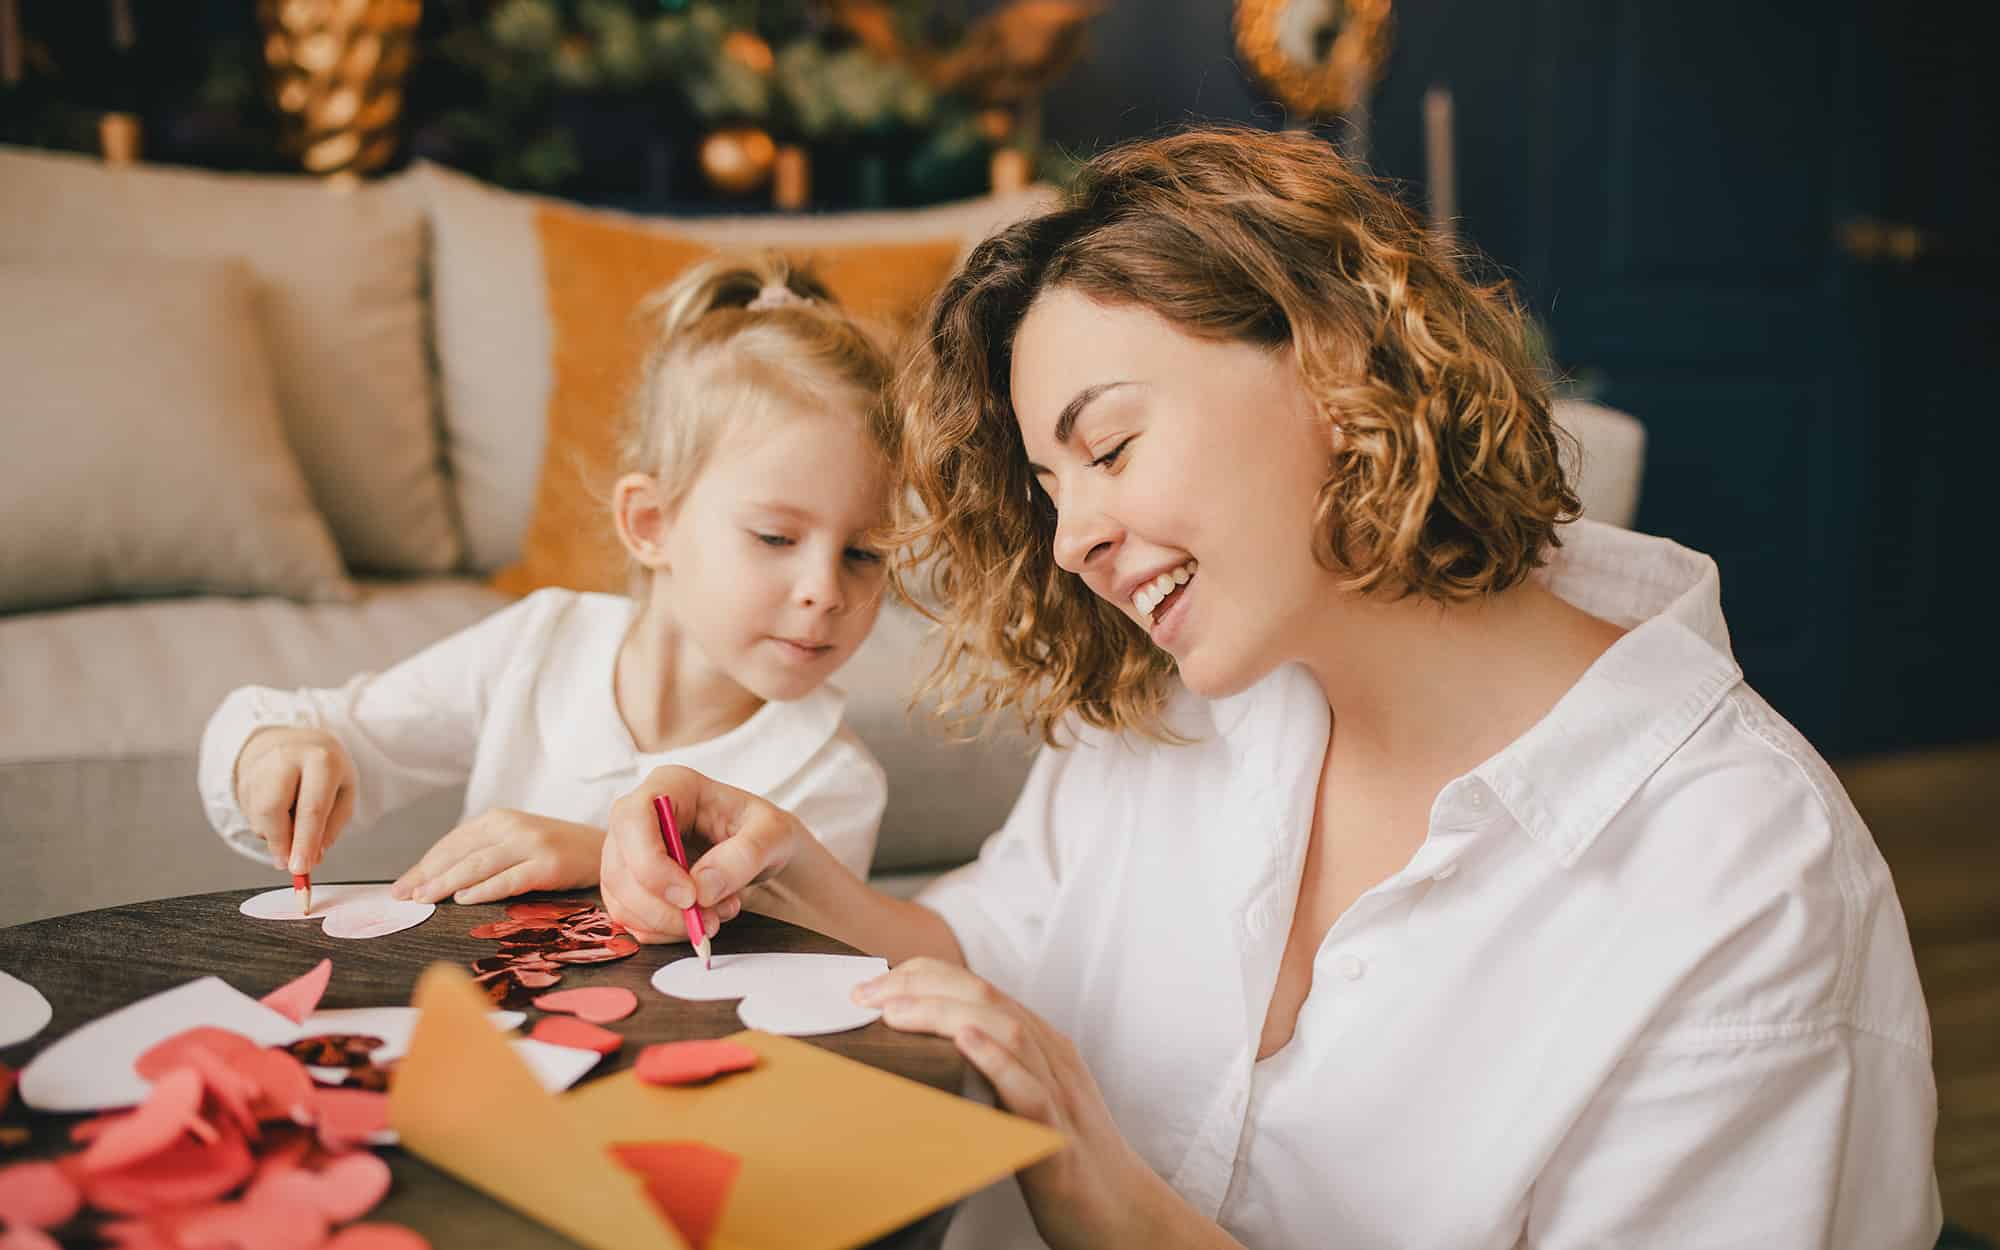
x: 1415, y: 869
x: 758, y: 458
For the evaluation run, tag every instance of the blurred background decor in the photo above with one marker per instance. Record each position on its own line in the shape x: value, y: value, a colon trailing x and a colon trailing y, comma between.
x: 1318, y: 58
x: 643, y: 104
x: 336, y: 76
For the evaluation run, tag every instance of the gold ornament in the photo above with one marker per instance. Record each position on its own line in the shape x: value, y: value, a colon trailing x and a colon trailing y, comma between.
x: 337, y: 70
x: 737, y: 159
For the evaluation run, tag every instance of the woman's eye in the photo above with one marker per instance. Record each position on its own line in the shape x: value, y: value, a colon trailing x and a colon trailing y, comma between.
x: 771, y: 540
x: 863, y: 556
x: 1111, y: 457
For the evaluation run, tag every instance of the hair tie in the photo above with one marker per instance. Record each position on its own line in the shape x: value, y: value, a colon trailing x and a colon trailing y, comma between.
x: 776, y: 295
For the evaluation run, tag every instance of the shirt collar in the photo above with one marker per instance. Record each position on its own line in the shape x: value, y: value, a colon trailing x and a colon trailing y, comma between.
x: 1565, y: 779
x: 576, y: 710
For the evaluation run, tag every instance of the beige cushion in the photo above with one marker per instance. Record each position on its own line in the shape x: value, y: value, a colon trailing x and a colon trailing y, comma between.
x: 144, y: 450
x: 340, y: 277
x: 492, y: 333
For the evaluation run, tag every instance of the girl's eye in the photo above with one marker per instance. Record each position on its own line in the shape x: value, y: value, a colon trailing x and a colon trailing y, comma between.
x: 771, y: 540
x: 862, y: 556
x: 1111, y: 457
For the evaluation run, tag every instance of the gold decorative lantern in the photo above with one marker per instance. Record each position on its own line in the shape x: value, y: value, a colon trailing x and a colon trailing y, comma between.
x: 1318, y: 57
x: 337, y: 69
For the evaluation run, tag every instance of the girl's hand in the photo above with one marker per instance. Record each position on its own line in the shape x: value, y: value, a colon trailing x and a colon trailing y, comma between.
x: 646, y: 891
x: 1098, y: 1191
x: 503, y: 853
x: 296, y: 787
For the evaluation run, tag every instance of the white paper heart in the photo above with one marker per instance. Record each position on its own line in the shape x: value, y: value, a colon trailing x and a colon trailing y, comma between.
x: 23, y: 1010
x: 344, y: 911
x: 799, y: 995
x: 90, y: 1069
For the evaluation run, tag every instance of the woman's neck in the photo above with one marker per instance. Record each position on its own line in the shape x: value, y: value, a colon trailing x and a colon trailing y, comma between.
x: 1427, y: 692
x: 668, y: 692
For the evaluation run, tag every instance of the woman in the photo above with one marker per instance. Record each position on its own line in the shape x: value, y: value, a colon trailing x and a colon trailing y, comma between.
x: 1410, y: 866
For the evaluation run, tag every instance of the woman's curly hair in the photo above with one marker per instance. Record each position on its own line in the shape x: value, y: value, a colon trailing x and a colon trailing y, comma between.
x: 1445, y: 480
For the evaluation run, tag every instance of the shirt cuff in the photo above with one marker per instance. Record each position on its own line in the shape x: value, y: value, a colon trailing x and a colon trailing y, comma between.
x: 241, y: 714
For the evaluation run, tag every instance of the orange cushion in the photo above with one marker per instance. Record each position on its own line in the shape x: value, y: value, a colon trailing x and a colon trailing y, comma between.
x: 597, y: 271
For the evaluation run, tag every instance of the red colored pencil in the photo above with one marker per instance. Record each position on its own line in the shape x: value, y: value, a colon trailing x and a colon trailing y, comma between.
x: 663, y: 808
x: 302, y: 890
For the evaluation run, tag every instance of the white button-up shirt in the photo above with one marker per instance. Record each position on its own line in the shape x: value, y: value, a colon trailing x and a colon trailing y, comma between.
x: 520, y: 709
x: 1645, y: 982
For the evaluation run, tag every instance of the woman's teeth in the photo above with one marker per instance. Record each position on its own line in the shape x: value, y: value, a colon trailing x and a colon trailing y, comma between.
x: 1148, y: 597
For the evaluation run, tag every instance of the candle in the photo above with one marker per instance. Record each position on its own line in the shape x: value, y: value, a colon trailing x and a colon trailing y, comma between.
x: 10, y: 42
x: 1440, y: 162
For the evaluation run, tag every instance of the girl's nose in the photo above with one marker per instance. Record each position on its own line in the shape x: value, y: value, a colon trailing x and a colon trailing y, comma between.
x: 820, y: 588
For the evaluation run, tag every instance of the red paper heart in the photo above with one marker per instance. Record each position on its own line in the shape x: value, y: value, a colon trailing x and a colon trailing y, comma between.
x: 158, y: 1123
x: 167, y: 1055
x: 296, y: 999
x: 683, y: 1063
x: 38, y: 1195
x: 347, y: 1117
x: 599, y: 1004
x: 579, y: 1034
x: 688, y: 1180
x: 346, y: 1188
x: 377, y: 1237
x: 185, y: 1174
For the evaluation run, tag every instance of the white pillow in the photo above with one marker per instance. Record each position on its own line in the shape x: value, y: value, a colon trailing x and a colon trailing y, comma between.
x: 491, y: 322
x: 144, y: 454
x: 341, y: 278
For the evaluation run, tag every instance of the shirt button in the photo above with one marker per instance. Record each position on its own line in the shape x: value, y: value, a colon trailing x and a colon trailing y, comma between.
x: 1350, y: 967
x: 1477, y: 798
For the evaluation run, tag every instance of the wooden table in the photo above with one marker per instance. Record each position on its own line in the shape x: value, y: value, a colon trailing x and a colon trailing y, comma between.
x: 93, y: 962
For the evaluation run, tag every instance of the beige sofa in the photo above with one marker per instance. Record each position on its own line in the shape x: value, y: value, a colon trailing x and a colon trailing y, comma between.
x: 260, y: 431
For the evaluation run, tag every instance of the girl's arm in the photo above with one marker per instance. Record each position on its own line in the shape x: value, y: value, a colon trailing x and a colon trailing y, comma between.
x: 408, y: 730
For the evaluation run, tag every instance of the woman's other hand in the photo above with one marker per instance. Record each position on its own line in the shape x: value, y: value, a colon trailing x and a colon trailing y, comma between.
x: 502, y: 853
x: 296, y: 788
x: 646, y: 891
x: 1098, y: 1190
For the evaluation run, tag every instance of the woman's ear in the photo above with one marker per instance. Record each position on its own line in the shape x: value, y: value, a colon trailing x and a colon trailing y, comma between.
x: 641, y: 515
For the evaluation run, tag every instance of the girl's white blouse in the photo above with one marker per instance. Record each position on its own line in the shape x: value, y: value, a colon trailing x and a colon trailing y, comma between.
x: 519, y: 709
x: 1645, y: 983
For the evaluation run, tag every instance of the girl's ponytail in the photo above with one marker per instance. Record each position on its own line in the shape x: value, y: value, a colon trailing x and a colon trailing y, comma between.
x: 722, y: 283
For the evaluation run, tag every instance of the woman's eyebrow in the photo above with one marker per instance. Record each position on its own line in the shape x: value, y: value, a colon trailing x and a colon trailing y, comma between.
x: 1066, y: 423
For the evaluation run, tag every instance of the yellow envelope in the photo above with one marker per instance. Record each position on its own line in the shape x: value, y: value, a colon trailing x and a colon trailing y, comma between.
x: 835, y: 1153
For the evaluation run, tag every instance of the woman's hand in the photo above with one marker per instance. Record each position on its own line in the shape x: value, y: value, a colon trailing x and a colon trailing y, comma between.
x: 1098, y: 1192
x: 503, y: 853
x: 646, y: 891
x: 296, y: 787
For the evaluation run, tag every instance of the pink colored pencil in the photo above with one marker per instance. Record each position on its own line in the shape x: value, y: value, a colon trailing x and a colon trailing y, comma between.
x: 663, y: 807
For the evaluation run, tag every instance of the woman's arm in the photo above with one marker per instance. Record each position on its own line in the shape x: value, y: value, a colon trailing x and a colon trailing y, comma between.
x: 762, y: 857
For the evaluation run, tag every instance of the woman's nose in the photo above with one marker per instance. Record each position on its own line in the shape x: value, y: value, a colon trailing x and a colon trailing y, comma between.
x: 1084, y: 539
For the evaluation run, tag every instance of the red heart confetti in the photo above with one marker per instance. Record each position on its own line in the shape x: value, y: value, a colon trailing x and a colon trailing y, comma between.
x: 684, y: 1063
x: 537, y: 941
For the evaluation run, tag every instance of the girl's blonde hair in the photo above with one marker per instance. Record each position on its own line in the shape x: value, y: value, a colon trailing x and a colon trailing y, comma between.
x: 1445, y: 480
x: 741, y: 340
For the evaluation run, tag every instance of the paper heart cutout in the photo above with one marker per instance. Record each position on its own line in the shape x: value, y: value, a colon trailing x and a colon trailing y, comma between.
x: 344, y: 911
x: 795, y: 994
